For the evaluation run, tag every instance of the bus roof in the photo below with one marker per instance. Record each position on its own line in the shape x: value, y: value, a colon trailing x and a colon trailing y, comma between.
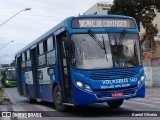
x: 65, y: 23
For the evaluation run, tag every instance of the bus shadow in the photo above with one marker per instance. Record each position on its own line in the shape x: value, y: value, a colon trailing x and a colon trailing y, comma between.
x: 93, y: 110
x: 98, y: 110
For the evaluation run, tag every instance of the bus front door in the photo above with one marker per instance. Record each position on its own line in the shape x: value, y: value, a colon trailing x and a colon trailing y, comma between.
x: 34, y: 72
x: 64, y: 71
x: 19, y: 76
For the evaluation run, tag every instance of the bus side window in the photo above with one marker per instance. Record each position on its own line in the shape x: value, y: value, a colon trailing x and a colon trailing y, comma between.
x: 51, y: 59
x: 41, y: 57
x: 23, y: 61
x: 28, y: 60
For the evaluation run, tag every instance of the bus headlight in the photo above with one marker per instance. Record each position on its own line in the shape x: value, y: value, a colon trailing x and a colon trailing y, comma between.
x: 141, y: 80
x: 87, y: 87
x: 7, y: 81
x: 83, y: 86
x: 79, y: 84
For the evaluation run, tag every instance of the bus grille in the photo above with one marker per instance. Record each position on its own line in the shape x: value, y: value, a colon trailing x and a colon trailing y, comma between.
x: 114, y: 74
x: 104, y: 94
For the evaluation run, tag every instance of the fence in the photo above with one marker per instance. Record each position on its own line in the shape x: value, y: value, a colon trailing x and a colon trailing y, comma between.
x: 152, y: 70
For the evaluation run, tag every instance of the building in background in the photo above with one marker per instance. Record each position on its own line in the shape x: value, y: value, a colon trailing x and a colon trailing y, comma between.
x: 150, y: 50
x: 99, y: 8
x: 150, y: 53
x: 2, y: 67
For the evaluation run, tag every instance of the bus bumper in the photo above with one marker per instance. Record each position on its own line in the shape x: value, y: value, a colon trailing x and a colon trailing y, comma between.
x: 82, y: 97
x: 9, y: 83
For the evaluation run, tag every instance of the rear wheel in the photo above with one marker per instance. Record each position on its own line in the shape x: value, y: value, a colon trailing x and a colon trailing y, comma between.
x: 57, y: 98
x: 115, y: 104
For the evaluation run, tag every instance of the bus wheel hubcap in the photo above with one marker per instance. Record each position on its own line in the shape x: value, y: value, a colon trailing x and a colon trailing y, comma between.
x: 58, y: 98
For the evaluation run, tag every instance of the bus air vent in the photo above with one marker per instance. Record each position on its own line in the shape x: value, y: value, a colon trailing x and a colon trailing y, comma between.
x: 113, y: 74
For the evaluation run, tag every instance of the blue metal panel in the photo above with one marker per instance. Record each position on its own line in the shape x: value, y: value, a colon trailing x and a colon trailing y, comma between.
x: 23, y: 83
x: 103, y: 30
x: 82, y: 97
x: 23, y: 78
x: 31, y: 91
x: 97, y: 78
x: 46, y: 92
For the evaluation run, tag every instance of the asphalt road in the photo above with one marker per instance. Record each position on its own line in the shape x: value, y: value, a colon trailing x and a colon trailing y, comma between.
x: 95, y: 111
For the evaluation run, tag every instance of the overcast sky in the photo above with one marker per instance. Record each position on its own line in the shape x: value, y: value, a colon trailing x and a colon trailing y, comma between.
x: 29, y: 25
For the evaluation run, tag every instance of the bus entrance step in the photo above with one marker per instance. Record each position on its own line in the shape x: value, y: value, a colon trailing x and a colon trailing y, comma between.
x: 69, y: 104
x: 38, y: 100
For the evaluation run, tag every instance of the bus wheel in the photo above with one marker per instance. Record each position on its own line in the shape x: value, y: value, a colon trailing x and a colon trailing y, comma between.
x: 29, y: 99
x: 57, y: 98
x: 115, y: 104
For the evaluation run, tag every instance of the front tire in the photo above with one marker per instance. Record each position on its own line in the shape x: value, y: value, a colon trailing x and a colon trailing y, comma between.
x: 57, y: 99
x: 115, y: 104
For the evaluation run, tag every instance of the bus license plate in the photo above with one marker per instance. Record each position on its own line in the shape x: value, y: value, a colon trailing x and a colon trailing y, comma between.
x: 117, y: 94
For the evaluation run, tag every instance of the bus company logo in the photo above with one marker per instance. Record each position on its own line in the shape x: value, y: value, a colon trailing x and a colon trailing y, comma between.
x: 21, y: 114
x: 6, y: 114
x: 115, y: 81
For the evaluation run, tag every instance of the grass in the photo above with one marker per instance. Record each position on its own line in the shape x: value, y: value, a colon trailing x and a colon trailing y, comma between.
x: 4, y: 99
x: 1, y: 91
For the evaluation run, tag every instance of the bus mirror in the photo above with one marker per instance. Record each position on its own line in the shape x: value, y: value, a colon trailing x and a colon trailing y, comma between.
x: 68, y: 47
x: 67, y: 44
x: 72, y: 47
x: 50, y: 71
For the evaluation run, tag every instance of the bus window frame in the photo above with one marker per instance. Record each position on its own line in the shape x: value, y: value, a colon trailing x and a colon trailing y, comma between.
x: 52, y: 50
x: 97, y: 32
x: 28, y: 57
x: 23, y: 62
x: 40, y: 54
x: 45, y: 50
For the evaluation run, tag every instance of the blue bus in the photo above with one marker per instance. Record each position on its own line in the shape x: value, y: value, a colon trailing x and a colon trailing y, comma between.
x: 83, y: 60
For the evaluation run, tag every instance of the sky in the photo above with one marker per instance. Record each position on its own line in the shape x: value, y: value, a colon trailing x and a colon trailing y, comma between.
x: 29, y: 25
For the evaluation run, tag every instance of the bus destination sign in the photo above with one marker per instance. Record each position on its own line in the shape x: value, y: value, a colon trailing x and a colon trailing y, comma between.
x: 103, y: 23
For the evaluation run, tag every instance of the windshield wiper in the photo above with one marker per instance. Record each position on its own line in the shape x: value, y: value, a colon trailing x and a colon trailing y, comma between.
x: 95, y: 38
x: 117, y: 46
x: 122, y: 37
x: 105, y: 51
x: 101, y: 44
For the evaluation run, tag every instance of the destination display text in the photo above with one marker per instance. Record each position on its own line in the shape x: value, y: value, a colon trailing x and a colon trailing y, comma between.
x: 103, y: 23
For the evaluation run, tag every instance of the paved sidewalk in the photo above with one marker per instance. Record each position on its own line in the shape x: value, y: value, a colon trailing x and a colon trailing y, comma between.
x: 152, y: 91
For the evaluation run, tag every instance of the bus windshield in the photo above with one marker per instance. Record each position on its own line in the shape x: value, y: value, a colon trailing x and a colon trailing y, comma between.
x: 10, y: 75
x: 120, y: 50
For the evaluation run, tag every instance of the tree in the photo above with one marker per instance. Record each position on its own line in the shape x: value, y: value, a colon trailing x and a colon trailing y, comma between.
x: 144, y: 11
x: 12, y: 63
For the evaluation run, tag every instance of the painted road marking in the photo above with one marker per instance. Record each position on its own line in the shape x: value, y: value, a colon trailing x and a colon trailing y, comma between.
x: 146, y: 104
x: 147, y: 100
